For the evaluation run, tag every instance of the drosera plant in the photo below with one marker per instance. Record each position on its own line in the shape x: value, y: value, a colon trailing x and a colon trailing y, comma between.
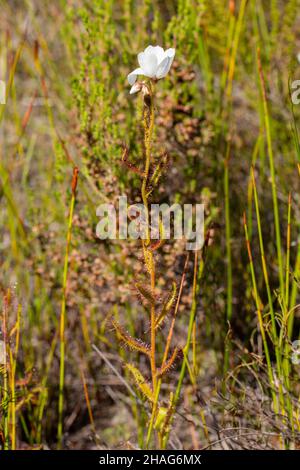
x: 154, y: 64
x: 91, y: 134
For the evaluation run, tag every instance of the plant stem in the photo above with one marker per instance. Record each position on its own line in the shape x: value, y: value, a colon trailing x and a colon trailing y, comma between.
x: 196, y: 288
x: 234, y: 37
x: 286, y: 326
x: 228, y: 253
x: 13, y: 363
x: 148, y: 121
x: 260, y: 320
x: 63, y: 313
x: 295, y: 286
x: 272, y: 171
x: 5, y: 396
x: 166, y: 352
x: 268, y: 288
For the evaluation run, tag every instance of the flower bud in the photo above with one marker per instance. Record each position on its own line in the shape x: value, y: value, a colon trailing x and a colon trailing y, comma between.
x: 136, y: 88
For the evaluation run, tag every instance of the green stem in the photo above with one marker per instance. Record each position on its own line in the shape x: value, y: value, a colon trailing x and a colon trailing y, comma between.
x: 228, y: 253
x: 187, y: 345
x: 63, y: 314
x: 5, y: 397
x: 166, y: 352
x: 260, y: 320
x: 268, y: 288
x: 273, y: 176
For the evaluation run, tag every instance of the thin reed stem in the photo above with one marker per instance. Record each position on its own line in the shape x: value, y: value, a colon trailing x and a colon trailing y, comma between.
x: 235, y: 29
x: 272, y: 171
x: 288, y: 253
x: 13, y: 361
x: 44, y: 394
x: 286, y: 327
x: 199, y: 268
x: 228, y: 253
x: 260, y: 319
x: 5, y: 391
x: 63, y: 312
x: 268, y: 289
x: 295, y: 286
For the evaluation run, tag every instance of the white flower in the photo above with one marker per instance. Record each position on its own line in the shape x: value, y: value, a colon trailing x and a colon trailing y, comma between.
x: 298, y: 57
x: 154, y: 63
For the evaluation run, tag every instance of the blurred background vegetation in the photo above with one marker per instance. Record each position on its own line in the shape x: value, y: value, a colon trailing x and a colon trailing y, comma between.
x: 65, y: 64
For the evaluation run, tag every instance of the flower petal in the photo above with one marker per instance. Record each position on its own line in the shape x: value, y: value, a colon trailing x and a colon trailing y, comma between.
x: 148, y: 62
x: 170, y: 52
x: 131, y: 77
x: 163, y: 68
x: 160, y: 53
x: 149, y: 50
x: 166, y: 63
